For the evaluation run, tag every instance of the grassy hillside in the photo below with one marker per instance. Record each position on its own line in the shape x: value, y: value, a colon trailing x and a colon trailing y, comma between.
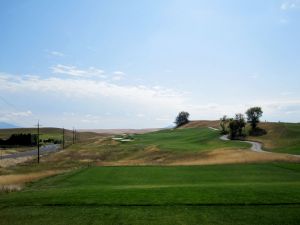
x: 189, y: 139
x: 280, y: 137
x: 228, y: 194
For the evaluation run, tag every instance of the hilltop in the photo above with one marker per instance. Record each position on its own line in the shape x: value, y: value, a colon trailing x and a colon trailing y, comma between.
x: 202, y: 123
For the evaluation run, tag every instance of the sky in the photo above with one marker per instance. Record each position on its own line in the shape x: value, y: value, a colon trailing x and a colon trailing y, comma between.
x: 137, y: 64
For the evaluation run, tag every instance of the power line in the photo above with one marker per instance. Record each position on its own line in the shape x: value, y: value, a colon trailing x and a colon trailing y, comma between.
x: 8, y: 103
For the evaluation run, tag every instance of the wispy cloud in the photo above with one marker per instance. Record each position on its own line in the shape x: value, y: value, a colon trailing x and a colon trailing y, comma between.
x: 157, y: 102
x: 56, y: 53
x: 254, y: 76
x: 76, y: 72
x: 89, y: 88
x: 288, y: 5
x: 9, y: 116
x: 118, y: 75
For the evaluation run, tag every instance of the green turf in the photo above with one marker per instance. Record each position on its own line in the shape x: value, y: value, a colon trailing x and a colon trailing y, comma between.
x: 224, y: 194
x: 189, y: 139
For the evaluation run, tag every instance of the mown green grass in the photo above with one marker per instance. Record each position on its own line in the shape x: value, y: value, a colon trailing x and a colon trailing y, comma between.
x: 223, y: 194
x: 188, y: 139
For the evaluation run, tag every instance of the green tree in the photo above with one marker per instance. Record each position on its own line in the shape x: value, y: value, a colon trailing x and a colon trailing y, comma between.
x: 236, y: 126
x: 241, y: 123
x: 182, y: 118
x: 224, y: 124
x: 233, y: 128
x: 253, y: 115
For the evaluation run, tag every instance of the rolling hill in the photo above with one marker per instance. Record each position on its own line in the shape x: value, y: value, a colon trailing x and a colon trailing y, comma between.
x: 280, y: 137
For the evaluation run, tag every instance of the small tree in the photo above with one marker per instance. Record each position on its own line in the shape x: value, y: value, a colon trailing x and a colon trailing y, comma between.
x: 233, y: 128
x: 223, y: 124
x: 240, y: 122
x: 182, y: 118
x: 253, y: 115
x: 236, y: 126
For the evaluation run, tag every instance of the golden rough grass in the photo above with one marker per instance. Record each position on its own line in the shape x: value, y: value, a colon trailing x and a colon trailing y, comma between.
x: 202, y: 123
x: 219, y: 156
x: 235, y: 156
x: 19, y: 179
x: 10, y: 162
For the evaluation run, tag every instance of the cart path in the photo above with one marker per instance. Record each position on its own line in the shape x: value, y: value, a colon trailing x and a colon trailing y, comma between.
x: 255, y: 146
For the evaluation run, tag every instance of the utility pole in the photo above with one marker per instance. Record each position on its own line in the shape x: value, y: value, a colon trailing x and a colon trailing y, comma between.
x: 76, y: 136
x: 38, y: 140
x: 73, y: 135
x: 63, y: 138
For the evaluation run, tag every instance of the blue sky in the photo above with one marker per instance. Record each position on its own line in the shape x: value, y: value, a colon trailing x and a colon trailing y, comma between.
x: 136, y: 64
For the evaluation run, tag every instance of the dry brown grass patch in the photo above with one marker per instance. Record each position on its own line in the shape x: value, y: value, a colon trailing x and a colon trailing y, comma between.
x: 19, y: 179
x: 223, y: 156
x: 10, y: 188
x: 10, y: 162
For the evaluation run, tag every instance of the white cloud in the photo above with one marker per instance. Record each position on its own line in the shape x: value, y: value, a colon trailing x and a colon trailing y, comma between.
x: 88, y: 118
x: 22, y: 114
x: 288, y: 5
x: 56, y: 53
x: 10, y: 116
x: 118, y: 75
x: 159, y: 103
x: 88, y: 88
x: 141, y: 115
x: 76, y: 72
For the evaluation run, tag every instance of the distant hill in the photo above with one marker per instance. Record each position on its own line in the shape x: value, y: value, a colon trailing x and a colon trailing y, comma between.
x: 4, y: 125
x: 120, y: 131
x: 202, y: 123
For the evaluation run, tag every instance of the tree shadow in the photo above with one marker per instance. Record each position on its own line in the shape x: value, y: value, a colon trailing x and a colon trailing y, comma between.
x: 257, y: 132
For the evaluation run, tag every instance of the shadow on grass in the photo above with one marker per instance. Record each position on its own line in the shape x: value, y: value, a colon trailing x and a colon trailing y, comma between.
x: 257, y: 132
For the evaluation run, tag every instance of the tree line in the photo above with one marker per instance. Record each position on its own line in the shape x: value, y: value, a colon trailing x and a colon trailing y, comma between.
x: 235, y: 127
x: 20, y: 139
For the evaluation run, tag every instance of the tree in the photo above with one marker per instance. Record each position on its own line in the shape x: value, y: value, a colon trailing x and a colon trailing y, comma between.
x: 223, y: 124
x: 253, y: 115
x: 240, y: 122
x: 233, y: 128
x: 182, y: 118
x: 236, y: 126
